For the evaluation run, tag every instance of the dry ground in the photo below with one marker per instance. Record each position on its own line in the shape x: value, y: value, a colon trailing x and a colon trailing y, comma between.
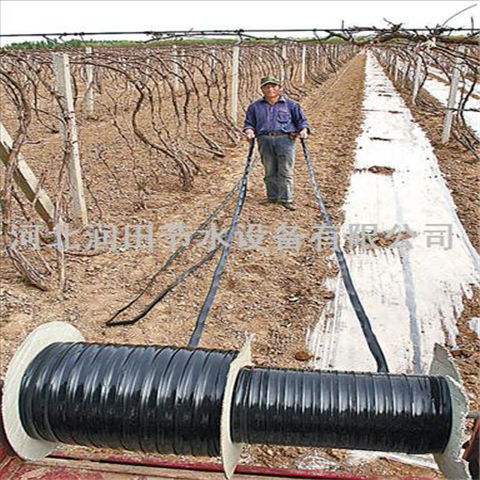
x: 461, y: 172
x: 274, y: 294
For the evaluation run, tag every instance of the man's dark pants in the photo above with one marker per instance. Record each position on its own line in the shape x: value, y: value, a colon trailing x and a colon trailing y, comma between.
x: 278, y: 158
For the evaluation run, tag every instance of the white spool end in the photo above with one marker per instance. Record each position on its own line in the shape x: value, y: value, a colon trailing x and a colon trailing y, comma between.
x: 450, y: 460
x: 231, y: 451
x: 24, y: 446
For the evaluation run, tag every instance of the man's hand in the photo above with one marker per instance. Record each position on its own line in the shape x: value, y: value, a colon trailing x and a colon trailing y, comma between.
x: 249, y: 134
x: 303, y: 133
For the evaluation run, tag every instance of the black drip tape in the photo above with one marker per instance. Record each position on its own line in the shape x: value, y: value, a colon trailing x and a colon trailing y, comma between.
x: 360, y: 411
x: 169, y: 400
x: 149, y: 399
x: 368, y: 333
x: 212, y: 291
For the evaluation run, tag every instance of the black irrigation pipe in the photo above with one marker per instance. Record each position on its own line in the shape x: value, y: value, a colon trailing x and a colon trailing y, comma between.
x: 463, y: 109
x: 130, y: 321
x: 367, y: 330
x: 165, y: 291
x: 200, y: 323
x: 174, y: 256
x: 170, y: 400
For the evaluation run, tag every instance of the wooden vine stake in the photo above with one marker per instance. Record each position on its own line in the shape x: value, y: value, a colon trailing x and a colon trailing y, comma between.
x: 27, y: 181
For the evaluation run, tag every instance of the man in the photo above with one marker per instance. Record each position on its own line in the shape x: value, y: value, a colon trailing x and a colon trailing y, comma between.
x: 276, y: 121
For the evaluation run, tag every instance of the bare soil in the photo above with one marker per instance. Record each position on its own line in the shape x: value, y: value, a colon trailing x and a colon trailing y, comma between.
x: 274, y: 293
x: 461, y: 172
x: 381, y: 170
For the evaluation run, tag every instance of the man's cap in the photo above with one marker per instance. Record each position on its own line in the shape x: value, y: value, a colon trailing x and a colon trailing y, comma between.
x: 269, y: 79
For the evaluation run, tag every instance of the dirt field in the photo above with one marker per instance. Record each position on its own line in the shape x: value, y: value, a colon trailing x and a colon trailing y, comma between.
x: 462, y: 175
x: 275, y: 294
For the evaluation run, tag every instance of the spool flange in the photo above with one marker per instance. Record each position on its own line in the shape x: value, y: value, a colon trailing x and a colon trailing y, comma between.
x: 23, y: 445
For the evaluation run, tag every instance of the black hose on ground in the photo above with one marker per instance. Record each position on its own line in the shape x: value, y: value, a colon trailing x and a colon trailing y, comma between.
x: 365, y: 324
x: 207, y: 303
x: 196, y: 234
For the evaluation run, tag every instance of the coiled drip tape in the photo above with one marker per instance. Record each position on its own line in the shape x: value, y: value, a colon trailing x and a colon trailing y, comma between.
x: 140, y: 398
x: 169, y: 400
x: 361, y: 411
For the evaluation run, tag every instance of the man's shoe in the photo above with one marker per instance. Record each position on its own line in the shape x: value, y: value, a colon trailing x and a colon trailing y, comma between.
x: 268, y: 201
x: 288, y: 205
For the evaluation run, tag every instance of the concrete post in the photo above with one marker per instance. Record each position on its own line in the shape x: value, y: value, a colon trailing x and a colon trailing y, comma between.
x: 416, y: 78
x: 89, y: 95
x: 304, y: 53
x: 64, y: 87
x: 235, y: 66
x: 452, y: 95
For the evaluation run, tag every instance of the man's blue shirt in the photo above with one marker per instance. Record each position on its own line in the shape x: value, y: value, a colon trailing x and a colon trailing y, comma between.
x: 285, y: 115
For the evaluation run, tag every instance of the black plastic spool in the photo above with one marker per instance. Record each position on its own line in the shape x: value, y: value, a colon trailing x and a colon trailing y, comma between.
x: 169, y: 400
x: 361, y: 411
x: 150, y: 399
